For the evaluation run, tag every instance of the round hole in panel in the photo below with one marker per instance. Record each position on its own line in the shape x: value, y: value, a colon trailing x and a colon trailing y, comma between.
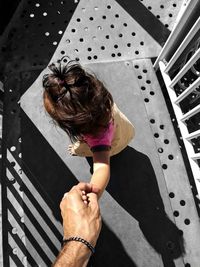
x: 103, y: 17
x: 37, y: 4
x: 160, y: 150
x: 166, y: 141
x: 95, y: 57
x: 60, y: 32
x: 171, y: 195
x: 32, y: 15
x: 113, y: 55
x: 139, y: 77
x: 14, y: 230
x: 182, y: 202
x: 125, y: 24
x: 73, y: 30
x: 152, y: 121
x: 133, y: 33
x: 78, y: 20
x: 187, y: 221
x: 81, y: 40
x: 141, y: 43
x: 116, y: 46
x: 129, y: 44
x: 187, y: 265
x: 89, y: 57
x: 119, y: 54
x: 62, y: 52
x: 13, y: 148
x: 176, y: 213
x: 148, y: 81
x: 102, y: 47
x: 89, y: 49
x: 164, y: 166
x: 146, y: 100
x: 55, y: 43
x: 143, y: 88
x: 116, y: 15
x: 91, y: 18
x: 44, y: 14
x: 22, y: 219
x: 120, y: 35
x: 137, y: 52
x: 149, y: 7
x: 15, y: 251
x: 166, y: 25
x: 20, y: 155
x: 152, y: 93
x: 144, y: 70
x: 108, y: 7
x: 107, y: 37
x: 47, y: 33
x: 174, y: 5
x: 136, y: 66
x: 170, y: 15
x: 171, y: 157
x: 112, y: 26
x: 158, y: 17
x: 162, y: 127
x: 12, y: 163
x: 156, y: 135
x: 162, y: 6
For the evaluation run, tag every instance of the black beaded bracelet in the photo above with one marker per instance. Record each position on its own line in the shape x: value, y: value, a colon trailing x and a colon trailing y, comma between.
x: 79, y: 239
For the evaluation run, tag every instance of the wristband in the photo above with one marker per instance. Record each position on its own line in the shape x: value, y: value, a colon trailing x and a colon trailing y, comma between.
x: 79, y: 239
x: 100, y: 148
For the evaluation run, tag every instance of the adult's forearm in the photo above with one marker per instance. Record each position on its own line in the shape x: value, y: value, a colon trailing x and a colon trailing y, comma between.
x: 73, y: 254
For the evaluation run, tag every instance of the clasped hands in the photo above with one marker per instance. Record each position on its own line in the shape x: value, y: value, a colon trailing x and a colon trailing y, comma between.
x: 80, y: 212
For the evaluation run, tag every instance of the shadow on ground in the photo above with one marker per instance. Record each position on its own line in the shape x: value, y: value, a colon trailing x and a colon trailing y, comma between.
x: 134, y: 186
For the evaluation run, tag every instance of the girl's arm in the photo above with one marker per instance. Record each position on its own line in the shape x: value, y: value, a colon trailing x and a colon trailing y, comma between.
x: 100, y: 146
x: 101, y: 170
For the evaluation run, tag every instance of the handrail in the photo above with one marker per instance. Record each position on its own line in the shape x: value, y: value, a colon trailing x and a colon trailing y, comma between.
x: 184, y: 44
x: 187, y: 8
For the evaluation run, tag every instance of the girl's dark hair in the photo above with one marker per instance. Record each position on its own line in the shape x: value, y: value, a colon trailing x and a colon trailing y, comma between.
x: 76, y: 100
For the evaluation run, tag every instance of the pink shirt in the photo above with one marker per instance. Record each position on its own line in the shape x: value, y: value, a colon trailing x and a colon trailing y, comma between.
x: 103, y: 139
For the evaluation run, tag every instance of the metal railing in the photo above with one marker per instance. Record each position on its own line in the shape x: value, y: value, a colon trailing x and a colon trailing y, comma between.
x: 181, y: 75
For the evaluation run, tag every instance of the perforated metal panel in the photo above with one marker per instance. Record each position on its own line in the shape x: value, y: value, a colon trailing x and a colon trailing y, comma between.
x: 104, y: 31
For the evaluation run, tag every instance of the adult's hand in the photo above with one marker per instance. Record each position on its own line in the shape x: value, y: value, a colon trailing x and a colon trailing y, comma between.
x: 81, y: 217
x: 80, y: 213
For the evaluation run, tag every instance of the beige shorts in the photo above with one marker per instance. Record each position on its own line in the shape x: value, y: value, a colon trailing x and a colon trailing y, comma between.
x: 124, y: 133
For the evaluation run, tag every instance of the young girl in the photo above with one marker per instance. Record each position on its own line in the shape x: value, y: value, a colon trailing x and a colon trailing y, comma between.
x: 81, y: 105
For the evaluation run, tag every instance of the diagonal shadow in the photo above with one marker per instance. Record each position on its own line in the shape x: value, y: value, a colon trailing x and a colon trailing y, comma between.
x: 110, y: 251
x: 134, y: 186
x: 44, y: 168
x: 146, y: 19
